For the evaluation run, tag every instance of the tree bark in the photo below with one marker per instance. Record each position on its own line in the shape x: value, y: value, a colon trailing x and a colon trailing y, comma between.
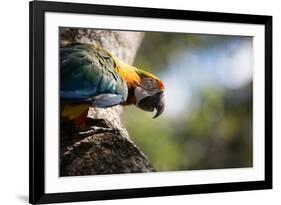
x: 104, y: 152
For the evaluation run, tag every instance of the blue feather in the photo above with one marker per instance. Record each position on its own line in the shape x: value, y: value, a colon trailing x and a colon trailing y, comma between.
x: 89, y: 75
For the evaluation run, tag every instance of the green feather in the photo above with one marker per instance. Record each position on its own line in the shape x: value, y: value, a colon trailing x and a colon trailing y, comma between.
x: 87, y: 71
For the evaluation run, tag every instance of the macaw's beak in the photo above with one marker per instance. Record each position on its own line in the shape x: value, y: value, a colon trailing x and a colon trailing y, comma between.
x: 150, y: 103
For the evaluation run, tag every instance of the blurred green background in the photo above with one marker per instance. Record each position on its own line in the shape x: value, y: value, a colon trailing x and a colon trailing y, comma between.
x: 207, y: 122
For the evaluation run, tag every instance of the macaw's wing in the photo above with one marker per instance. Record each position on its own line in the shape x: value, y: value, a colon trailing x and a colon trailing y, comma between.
x: 87, y: 74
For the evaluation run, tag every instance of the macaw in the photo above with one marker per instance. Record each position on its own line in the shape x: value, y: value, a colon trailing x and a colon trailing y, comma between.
x: 92, y: 76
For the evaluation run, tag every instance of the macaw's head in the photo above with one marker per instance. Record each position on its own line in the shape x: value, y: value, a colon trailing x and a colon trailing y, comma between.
x: 149, y: 93
x: 146, y: 91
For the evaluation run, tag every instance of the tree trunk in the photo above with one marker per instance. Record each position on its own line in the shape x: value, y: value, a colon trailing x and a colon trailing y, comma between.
x: 104, y: 152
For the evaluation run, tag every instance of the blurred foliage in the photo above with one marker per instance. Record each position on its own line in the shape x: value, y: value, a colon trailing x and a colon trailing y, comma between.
x: 158, y: 47
x: 217, y: 132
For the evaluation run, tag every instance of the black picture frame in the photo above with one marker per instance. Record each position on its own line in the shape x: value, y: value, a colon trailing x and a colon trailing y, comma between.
x: 37, y: 10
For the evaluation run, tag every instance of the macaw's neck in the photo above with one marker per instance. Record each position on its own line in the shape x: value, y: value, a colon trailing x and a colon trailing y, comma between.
x: 130, y: 75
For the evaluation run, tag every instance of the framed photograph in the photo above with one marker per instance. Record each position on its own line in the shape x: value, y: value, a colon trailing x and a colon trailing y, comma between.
x: 140, y: 102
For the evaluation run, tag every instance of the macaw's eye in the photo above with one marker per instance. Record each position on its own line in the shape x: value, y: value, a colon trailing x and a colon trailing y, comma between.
x: 149, y: 84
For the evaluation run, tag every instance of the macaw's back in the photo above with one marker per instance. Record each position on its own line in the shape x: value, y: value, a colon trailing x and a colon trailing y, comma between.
x: 88, y: 78
x: 87, y: 71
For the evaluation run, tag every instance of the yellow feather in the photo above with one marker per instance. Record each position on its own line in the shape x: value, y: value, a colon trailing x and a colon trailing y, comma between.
x: 128, y: 73
x: 71, y: 111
